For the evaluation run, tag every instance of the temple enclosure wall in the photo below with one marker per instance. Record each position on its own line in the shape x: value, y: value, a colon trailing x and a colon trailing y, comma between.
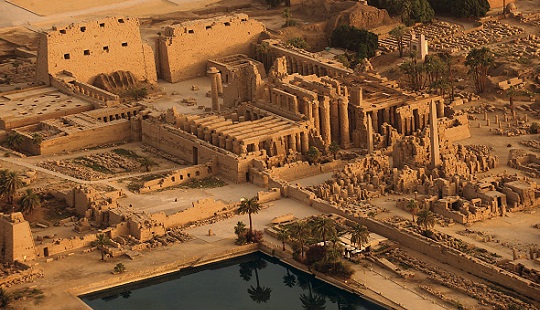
x: 438, y: 252
x: 100, y: 46
x: 184, y: 49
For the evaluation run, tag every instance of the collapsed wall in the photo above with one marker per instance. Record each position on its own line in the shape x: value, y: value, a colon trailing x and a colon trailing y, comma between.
x: 184, y: 49
x: 101, y: 46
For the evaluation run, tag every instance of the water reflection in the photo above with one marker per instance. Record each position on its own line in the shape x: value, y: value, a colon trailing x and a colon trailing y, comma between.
x: 247, y: 283
x: 258, y: 294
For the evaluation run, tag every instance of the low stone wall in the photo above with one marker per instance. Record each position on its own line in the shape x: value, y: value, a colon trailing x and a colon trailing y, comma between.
x: 299, y: 170
x: 181, y: 176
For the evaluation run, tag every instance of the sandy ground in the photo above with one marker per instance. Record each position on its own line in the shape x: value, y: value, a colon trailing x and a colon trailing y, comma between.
x: 49, y: 7
x: 65, y: 12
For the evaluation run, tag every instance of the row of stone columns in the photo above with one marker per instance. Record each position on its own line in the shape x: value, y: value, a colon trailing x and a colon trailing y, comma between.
x: 297, y: 142
x: 284, y: 100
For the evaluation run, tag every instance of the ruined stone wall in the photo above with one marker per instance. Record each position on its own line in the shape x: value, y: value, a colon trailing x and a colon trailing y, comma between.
x: 100, y: 46
x: 201, y: 209
x: 64, y: 244
x: 88, y: 138
x: 181, y: 176
x: 10, y: 123
x: 16, y: 239
x: 184, y: 49
x: 299, y: 170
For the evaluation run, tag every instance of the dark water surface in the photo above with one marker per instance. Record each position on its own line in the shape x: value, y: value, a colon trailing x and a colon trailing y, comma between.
x: 254, y: 281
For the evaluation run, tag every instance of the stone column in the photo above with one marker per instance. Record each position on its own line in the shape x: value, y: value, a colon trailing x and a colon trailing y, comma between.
x: 440, y: 109
x: 228, y: 144
x: 375, y: 120
x: 434, y: 136
x: 221, y: 140
x: 369, y: 134
x: 219, y: 84
x: 213, y: 74
x: 304, y: 141
x: 334, y: 120
x: 215, y: 140
x: 294, y: 106
x: 386, y: 116
x: 316, y: 117
x: 325, y: 121
x: 344, y: 123
x: 292, y: 142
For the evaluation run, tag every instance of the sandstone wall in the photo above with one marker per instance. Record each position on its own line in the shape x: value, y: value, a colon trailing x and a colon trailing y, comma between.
x: 10, y: 123
x: 181, y: 176
x: 299, y: 170
x: 184, y: 49
x: 66, y: 244
x: 100, y: 46
x: 88, y: 138
x: 201, y: 209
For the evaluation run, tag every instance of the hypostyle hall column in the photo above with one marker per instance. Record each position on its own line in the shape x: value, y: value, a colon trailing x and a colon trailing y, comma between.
x: 369, y: 134
x: 304, y: 141
x: 292, y: 142
x: 386, y: 116
x: 316, y: 117
x: 213, y: 74
x: 375, y: 120
x: 344, y: 123
x: 325, y: 121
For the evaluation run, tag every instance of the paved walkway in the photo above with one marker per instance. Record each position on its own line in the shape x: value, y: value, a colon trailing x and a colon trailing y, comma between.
x: 391, y: 290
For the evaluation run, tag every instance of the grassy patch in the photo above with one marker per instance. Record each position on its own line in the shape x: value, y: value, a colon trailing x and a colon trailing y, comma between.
x: 208, y: 182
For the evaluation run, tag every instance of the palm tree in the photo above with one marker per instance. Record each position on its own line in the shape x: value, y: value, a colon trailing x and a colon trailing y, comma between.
x: 333, y: 148
x: 29, y: 201
x: 398, y: 33
x: 412, y: 207
x: 15, y: 140
x: 359, y: 235
x: 289, y: 279
x: 479, y: 61
x: 324, y: 227
x: 283, y: 236
x: 101, y: 241
x: 10, y: 182
x: 147, y: 163
x: 425, y: 219
x: 300, y: 232
x: 249, y: 206
x: 240, y: 228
